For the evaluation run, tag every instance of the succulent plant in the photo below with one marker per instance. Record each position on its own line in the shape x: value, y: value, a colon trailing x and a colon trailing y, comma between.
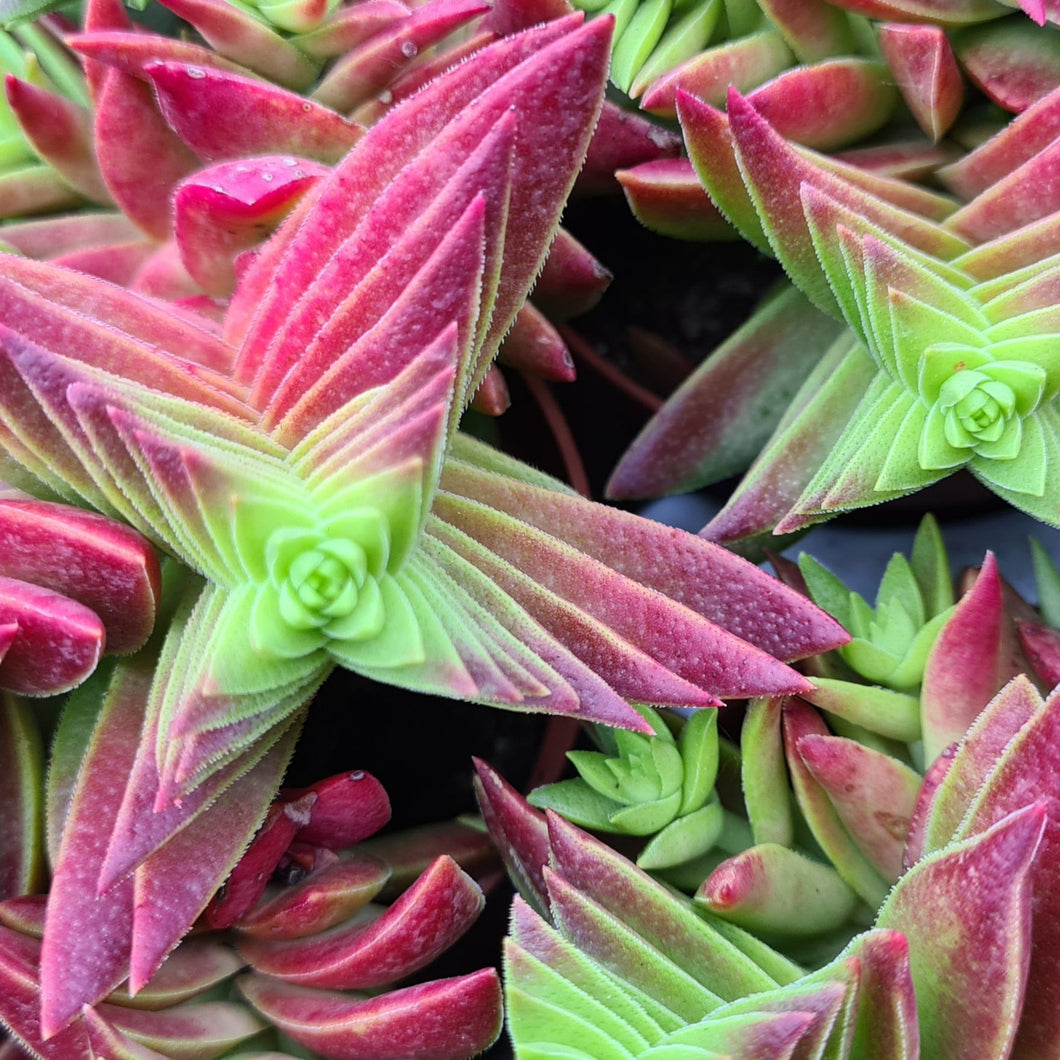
x: 647, y: 785
x: 625, y: 968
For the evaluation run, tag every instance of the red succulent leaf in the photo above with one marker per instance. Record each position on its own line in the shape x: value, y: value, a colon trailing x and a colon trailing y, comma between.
x: 446, y: 1019
x: 887, y: 1024
x: 49, y: 642
x: 924, y: 66
x: 622, y: 139
x: 968, y: 663
x: 348, y: 26
x: 1041, y: 645
x: 368, y: 68
x: 348, y: 807
x: 50, y: 237
x: 519, y: 832
x: 98, y: 562
x: 667, y: 197
x: 976, y: 758
x: 916, y: 841
x: 247, y: 39
x: 195, y: 966
x: 572, y: 281
x: 220, y: 115
x: 873, y: 793
x: 533, y: 345
x: 225, y: 209
x: 378, y: 948
x: 321, y: 900
x: 980, y: 936
x: 132, y: 52
x: 248, y: 880
x: 140, y: 157
x: 60, y: 131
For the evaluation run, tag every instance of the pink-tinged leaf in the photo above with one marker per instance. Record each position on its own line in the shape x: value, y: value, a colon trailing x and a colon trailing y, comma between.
x: 941, y: 12
x: 646, y: 907
x: 518, y: 830
x: 368, y: 68
x: 163, y: 276
x: 1026, y: 771
x: 873, y: 793
x: 775, y: 173
x: 247, y: 881
x: 1017, y: 142
x: 370, y: 951
x: 35, y: 189
x: 60, y: 131
x: 54, y: 305
x: 199, y: 1031
x: 21, y: 785
x: 246, y: 39
x: 887, y: 1024
x: 316, y: 903
x: 222, y: 115
x: 25, y: 914
x: 903, y: 160
x: 106, y: 1040
x: 349, y: 26
x: 971, y: 763
x: 715, y: 424
x: 349, y: 807
x: 194, y: 967
x: 119, y: 264
x: 1029, y: 193
x: 774, y: 891
x: 561, y: 115
x: 53, y: 236
x: 101, y: 563
x: 533, y: 345
x: 968, y: 663
x: 572, y: 281
x: 683, y: 567
x: 446, y: 1019
x: 492, y: 398
x: 129, y: 129
x: 1013, y: 63
x: 132, y: 52
x: 916, y: 841
x: 824, y: 820
x: 1041, y: 645
x: 224, y: 209
x: 828, y: 104
x: 807, y: 434
x: 622, y: 140
x: 512, y: 16
x: 668, y: 197
x: 814, y: 29
x: 20, y: 1002
x: 174, y: 885
x: 746, y: 63
x: 87, y: 935
x: 409, y: 852
x: 924, y: 66
x: 52, y: 642
x: 967, y: 914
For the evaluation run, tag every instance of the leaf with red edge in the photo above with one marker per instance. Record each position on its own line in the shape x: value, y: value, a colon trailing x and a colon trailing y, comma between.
x: 873, y: 793
x: 222, y: 210
x: 60, y: 132
x: 970, y: 946
x: 372, y: 950
x: 925, y: 68
x: 101, y: 563
x: 445, y: 1019
x: 220, y: 115
x: 968, y: 663
x: 52, y: 642
x: 321, y: 900
x: 128, y: 132
x: 348, y: 807
x: 366, y: 69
